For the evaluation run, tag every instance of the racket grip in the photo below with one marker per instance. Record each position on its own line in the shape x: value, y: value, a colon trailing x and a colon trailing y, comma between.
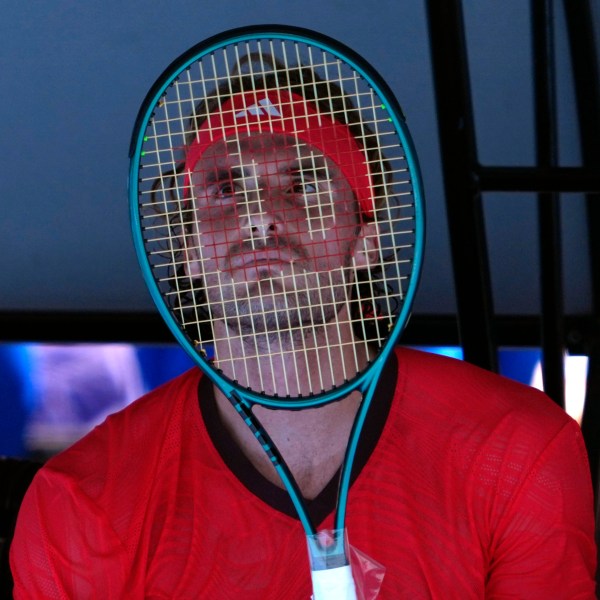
x: 331, y: 572
x: 334, y: 584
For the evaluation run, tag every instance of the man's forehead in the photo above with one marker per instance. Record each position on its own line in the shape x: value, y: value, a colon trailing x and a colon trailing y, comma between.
x: 271, y: 147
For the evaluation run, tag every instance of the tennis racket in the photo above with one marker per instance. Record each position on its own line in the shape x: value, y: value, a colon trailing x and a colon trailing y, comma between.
x: 277, y: 214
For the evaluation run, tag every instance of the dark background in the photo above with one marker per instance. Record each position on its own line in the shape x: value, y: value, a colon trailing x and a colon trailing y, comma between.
x: 73, y: 75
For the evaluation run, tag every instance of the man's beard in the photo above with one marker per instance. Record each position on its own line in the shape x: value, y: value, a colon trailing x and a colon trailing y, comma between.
x: 266, y: 309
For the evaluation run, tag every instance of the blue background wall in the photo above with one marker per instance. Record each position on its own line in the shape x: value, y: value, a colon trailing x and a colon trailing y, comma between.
x: 72, y: 77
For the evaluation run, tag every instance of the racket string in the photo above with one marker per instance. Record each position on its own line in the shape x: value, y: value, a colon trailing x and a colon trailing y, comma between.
x: 164, y: 152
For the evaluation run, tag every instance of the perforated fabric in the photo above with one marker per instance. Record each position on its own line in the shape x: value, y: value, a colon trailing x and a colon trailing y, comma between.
x: 478, y: 488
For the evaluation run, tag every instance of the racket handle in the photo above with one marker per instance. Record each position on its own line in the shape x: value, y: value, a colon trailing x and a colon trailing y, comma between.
x: 333, y: 584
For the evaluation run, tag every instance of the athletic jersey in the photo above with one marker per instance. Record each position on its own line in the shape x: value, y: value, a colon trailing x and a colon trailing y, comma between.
x: 473, y: 486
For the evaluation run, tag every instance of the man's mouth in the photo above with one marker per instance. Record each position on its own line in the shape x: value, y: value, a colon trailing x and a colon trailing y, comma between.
x: 274, y: 253
x: 261, y: 257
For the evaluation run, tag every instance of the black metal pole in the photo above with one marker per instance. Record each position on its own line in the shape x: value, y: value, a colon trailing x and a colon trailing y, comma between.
x: 586, y: 75
x: 541, y: 179
x: 553, y: 345
x: 463, y: 197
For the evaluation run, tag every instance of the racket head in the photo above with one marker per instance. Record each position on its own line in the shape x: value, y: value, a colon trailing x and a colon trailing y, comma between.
x: 169, y: 217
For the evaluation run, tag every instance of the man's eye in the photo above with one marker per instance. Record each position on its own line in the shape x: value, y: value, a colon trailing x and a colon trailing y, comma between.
x: 304, y: 187
x: 223, y: 189
x: 227, y: 189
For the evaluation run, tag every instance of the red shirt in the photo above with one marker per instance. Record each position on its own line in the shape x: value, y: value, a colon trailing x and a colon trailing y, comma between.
x: 476, y: 487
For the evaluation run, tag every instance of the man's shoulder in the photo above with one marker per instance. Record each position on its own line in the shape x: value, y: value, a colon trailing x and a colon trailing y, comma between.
x: 478, y: 420
x: 457, y: 390
x: 156, y: 408
x: 133, y: 433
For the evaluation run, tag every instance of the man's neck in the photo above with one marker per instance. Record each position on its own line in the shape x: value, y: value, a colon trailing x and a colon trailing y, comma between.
x: 311, y: 441
x: 326, y: 357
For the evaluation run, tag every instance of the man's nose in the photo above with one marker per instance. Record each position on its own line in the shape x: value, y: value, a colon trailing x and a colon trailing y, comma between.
x: 258, y: 213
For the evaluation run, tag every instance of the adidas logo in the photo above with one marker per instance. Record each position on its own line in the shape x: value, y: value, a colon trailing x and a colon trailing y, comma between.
x: 263, y: 108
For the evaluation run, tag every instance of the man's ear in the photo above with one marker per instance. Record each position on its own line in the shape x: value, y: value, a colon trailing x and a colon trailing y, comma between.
x: 366, y: 250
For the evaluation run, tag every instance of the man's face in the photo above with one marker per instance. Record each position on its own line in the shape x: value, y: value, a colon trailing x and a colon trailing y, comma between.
x: 275, y: 234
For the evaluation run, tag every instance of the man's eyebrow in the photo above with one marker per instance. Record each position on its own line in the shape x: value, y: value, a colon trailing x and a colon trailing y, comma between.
x: 223, y: 174
x: 315, y: 166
